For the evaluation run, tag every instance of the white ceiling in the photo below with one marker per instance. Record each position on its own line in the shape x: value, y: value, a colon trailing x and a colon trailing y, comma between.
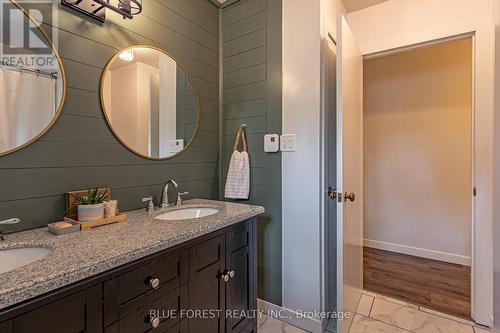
x: 353, y: 5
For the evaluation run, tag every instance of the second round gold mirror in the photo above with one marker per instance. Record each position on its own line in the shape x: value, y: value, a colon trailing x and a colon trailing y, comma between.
x: 150, y: 102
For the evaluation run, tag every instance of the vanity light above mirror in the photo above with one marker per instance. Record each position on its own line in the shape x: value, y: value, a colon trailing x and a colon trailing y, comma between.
x: 150, y: 102
x: 97, y: 8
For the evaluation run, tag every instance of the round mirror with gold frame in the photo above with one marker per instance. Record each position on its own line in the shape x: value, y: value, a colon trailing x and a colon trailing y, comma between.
x: 150, y: 102
x: 32, y: 80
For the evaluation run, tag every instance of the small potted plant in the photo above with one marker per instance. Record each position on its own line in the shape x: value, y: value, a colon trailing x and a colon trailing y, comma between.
x: 91, y: 206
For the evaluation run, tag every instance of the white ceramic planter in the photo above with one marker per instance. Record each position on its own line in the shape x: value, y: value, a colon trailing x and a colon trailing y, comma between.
x: 87, y: 213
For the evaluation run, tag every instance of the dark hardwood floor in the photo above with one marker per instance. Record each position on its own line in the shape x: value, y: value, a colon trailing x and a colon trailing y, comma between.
x: 433, y: 284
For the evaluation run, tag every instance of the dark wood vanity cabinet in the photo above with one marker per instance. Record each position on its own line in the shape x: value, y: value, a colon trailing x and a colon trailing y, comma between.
x: 206, y: 285
x: 231, y: 259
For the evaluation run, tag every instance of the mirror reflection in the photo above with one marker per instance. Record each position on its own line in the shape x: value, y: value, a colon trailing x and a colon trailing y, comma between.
x: 31, y: 83
x: 149, y: 102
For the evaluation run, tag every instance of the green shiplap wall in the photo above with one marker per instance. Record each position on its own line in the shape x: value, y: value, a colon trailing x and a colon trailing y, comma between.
x: 251, y: 51
x: 81, y: 150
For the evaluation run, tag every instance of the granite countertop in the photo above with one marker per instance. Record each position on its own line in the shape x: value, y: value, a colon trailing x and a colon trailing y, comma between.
x: 83, y: 254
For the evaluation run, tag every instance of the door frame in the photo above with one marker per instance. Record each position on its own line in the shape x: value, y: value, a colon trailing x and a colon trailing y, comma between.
x: 481, y: 205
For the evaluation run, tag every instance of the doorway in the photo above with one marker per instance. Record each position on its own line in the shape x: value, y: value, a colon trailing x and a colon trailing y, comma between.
x: 418, y: 176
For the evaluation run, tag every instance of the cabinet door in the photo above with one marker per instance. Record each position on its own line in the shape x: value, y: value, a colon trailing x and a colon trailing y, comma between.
x: 206, y: 288
x: 75, y: 313
x: 240, y: 289
x: 6, y: 327
x: 66, y: 315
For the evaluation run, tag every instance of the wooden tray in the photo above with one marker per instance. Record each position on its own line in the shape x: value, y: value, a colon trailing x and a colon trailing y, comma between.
x: 71, y: 210
x: 120, y: 217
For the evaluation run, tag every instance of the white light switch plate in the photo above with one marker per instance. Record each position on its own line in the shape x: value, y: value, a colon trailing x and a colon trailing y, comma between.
x: 288, y: 142
x: 176, y: 145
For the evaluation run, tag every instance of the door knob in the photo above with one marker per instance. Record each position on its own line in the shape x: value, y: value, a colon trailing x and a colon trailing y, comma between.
x: 231, y: 274
x: 332, y: 194
x: 349, y: 196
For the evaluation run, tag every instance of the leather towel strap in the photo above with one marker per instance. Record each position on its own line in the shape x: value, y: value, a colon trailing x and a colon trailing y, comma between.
x: 237, y: 141
x: 243, y: 136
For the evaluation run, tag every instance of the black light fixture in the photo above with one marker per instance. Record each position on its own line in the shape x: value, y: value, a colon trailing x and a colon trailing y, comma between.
x: 97, y: 8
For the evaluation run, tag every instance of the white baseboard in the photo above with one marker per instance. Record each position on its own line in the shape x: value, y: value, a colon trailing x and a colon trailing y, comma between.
x: 290, y: 317
x: 418, y: 252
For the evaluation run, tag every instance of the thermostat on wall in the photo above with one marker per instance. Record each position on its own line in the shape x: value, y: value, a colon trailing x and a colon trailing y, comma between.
x: 271, y: 143
x: 288, y: 142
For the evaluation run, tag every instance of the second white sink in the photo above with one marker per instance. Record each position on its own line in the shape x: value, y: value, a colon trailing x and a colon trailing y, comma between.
x: 187, y: 213
x: 13, y: 258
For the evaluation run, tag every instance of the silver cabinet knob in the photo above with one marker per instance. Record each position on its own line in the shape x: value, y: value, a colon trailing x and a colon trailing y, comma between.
x: 224, y: 276
x: 155, y: 321
x: 154, y: 283
x: 231, y: 274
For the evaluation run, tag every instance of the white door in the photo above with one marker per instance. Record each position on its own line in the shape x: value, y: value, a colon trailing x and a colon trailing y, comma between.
x: 349, y: 173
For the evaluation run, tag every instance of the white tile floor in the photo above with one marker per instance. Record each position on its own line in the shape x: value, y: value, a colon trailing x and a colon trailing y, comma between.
x: 380, y: 314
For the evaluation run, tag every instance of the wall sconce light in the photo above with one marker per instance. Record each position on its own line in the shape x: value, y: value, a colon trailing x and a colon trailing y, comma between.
x: 97, y: 8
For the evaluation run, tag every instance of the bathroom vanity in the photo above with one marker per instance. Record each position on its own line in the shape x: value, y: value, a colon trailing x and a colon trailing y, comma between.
x: 144, y: 275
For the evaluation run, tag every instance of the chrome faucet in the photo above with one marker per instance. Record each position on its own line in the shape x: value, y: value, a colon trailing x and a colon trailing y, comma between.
x: 9, y: 221
x: 164, y: 198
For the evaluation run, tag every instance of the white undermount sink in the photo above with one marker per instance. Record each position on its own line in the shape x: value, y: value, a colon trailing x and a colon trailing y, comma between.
x: 187, y: 213
x: 14, y: 258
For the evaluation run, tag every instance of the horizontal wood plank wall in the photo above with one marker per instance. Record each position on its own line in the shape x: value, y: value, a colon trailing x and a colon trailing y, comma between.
x: 251, y: 34
x: 81, y: 150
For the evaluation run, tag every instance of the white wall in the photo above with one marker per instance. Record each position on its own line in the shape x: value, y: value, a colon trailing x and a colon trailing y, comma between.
x: 399, y: 23
x: 418, y: 152
x: 132, y: 110
x: 301, y: 170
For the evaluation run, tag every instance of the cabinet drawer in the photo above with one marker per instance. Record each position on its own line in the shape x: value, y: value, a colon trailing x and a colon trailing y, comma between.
x: 181, y: 327
x: 66, y: 315
x: 170, y: 270
x: 138, y: 317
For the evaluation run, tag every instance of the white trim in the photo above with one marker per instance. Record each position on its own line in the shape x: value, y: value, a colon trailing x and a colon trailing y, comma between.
x: 420, y: 45
x: 418, y: 252
x: 290, y: 317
